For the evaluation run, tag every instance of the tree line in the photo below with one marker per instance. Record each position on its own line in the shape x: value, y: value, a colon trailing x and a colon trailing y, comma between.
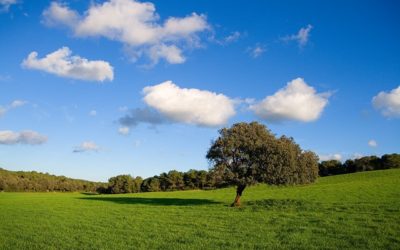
x: 366, y: 163
x: 23, y: 181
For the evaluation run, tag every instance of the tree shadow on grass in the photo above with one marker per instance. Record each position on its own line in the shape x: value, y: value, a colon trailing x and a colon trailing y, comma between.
x: 153, y: 201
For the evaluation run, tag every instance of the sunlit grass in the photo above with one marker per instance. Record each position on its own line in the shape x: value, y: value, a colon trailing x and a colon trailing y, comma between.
x: 359, y: 210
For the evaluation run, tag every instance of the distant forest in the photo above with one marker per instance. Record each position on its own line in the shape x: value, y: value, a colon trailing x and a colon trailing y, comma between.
x: 21, y: 181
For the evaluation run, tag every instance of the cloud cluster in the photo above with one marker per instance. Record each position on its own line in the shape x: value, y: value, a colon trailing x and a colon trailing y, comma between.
x: 133, y: 23
x: 301, y: 37
x: 191, y: 106
x: 86, y: 146
x: 9, y: 137
x: 388, y: 102
x: 61, y: 63
x: 12, y: 105
x: 296, y: 101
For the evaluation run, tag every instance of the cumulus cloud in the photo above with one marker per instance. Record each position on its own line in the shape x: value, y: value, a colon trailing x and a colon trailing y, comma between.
x: 192, y: 106
x: 135, y: 24
x: 86, y: 146
x: 372, y: 143
x: 14, y: 104
x: 8, y: 137
x: 61, y: 63
x: 328, y: 157
x: 140, y: 115
x: 301, y: 37
x: 388, y: 103
x: 5, y: 4
x: 60, y: 14
x: 296, y: 101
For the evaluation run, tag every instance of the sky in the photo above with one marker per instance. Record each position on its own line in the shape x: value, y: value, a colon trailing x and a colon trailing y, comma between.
x: 93, y: 89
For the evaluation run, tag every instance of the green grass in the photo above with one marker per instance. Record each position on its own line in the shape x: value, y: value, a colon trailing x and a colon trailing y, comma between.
x: 359, y: 210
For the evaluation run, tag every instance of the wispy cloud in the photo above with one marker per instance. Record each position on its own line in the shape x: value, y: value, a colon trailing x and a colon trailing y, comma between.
x: 14, y: 104
x: 5, y: 5
x: 302, y: 37
x: 8, y: 137
x: 86, y: 146
x: 257, y: 50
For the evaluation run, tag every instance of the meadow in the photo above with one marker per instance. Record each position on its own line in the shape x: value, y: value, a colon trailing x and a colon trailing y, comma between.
x: 360, y: 210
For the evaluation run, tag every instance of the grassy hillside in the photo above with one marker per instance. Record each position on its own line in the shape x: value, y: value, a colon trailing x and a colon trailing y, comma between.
x: 359, y: 210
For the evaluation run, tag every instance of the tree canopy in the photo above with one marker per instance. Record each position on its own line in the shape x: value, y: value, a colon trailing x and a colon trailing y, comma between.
x: 248, y: 153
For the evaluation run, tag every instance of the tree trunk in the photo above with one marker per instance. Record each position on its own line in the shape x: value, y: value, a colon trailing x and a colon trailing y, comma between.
x: 239, y: 191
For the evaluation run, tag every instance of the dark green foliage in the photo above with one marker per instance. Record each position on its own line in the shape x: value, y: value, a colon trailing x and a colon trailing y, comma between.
x: 249, y: 153
x: 390, y: 161
x: 332, y: 167
x: 121, y: 184
x: 151, y: 184
x: 18, y: 181
x: 366, y: 163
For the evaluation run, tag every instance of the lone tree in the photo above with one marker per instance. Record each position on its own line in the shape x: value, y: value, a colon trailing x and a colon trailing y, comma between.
x: 248, y: 153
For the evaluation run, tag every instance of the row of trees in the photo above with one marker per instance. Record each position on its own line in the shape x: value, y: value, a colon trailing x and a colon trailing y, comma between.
x: 21, y: 181
x: 366, y: 163
x: 171, y: 181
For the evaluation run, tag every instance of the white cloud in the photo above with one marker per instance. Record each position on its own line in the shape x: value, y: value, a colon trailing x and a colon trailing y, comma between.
x: 296, y: 101
x: 192, y: 106
x: 87, y: 146
x: 61, y: 63
x: 60, y: 14
x: 5, y: 4
x: 256, y: 51
x: 17, y: 103
x: 171, y: 54
x: 14, y: 104
x: 388, y: 103
x: 124, y: 130
x: 301, y: 37
x: 93, y: 113
x: 233, y: 37
x: 9, y: 137
x: 328, y: 157
x: 372, y: 143
x: 133, y: 23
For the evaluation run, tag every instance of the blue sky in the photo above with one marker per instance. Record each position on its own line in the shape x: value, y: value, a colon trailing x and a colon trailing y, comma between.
x: 92, y: 89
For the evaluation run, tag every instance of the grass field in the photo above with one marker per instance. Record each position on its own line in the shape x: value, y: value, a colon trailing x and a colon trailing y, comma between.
x: 359, y: 210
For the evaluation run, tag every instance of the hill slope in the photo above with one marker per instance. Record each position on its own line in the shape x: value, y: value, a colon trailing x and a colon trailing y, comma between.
x: 359, y: 210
